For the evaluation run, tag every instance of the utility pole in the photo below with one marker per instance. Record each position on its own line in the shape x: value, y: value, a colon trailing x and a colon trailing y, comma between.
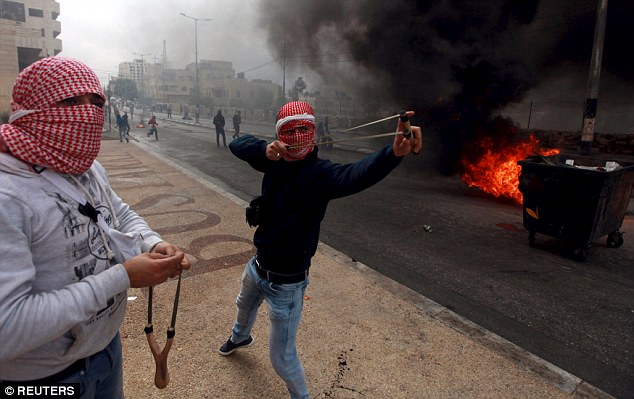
x: 196, y: 89
x: 109, y: 106
x: 590, y: 110
x: 284, y: 73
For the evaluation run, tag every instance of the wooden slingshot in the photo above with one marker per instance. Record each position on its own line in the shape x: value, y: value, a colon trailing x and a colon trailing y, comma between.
x: 162, y: 377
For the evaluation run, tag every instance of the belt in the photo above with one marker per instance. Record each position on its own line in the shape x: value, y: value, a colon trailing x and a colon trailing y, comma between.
x: 77, y: 366
x: 277, y: 278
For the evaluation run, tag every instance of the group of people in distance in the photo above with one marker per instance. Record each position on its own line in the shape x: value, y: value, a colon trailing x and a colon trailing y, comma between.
x: 71, y: 247
x: 219, y: 124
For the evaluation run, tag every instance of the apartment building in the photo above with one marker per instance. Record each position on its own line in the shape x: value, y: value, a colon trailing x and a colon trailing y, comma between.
x: 136, y: 70
x: 28, y: 32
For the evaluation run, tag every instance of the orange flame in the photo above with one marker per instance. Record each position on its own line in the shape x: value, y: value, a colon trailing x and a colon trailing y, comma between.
x: 496, y: 172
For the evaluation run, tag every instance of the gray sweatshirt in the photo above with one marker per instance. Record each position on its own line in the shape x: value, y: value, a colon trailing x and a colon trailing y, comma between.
x: 61, y: 299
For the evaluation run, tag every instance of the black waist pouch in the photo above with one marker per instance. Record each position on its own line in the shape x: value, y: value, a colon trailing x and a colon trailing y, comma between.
x: 258, y: 211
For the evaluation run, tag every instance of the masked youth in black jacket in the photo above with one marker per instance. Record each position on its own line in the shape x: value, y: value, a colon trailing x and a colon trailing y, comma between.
x: 296, y: 189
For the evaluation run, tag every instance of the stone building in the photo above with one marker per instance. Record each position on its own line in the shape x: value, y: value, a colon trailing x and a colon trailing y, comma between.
x: 219, y: 88
x: 28, y: 33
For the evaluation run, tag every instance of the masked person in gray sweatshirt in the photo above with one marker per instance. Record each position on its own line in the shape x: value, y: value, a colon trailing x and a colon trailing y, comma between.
x: 70, y: 246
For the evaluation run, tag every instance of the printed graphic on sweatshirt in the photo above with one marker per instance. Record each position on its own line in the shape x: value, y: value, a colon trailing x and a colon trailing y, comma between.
x: 84, y: 238
x: 85, y: 246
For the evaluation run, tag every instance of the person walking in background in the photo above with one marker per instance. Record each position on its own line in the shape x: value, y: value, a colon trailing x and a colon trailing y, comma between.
x: 121, y: 127
x: 169, y: 111
x: 70, y: 246
x: 126, y: 124
x: 296, y: 188
x: 326, y: 125
x: 320, y: 131
x: 237, y: 120
x: 219, y: 123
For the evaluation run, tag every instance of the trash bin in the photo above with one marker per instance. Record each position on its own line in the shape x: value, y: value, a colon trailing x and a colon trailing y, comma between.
x: 576, y: 199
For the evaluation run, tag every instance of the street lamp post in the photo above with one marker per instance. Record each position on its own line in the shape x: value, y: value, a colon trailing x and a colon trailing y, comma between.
x: 142, y: 71
x: 109, y: 106
x: 196, y: 87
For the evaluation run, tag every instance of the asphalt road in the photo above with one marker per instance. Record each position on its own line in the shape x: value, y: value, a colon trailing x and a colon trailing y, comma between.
x: 476, y: 260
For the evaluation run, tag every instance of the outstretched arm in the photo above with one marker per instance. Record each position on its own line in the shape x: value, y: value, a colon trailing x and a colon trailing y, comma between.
x: 348, y: 179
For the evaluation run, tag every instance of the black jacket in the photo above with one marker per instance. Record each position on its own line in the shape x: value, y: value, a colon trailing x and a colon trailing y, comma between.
x: 299, y: 193
x: 219, y: 121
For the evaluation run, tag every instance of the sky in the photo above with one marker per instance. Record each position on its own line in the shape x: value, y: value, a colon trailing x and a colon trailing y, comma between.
x: 106, y: 33
x: 456, y: 55
x: 529, y: 45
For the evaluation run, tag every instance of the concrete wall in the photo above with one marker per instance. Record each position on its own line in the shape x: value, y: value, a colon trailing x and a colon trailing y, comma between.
x: 570, y: 140
x: 8, y: 62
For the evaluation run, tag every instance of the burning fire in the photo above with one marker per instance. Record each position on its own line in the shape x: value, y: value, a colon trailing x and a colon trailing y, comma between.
x: 496, y: 171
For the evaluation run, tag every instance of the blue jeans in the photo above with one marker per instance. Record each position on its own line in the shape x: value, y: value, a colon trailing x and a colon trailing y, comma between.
x: 103, y: 376
x: 123, y: 133
x: 285, y: 302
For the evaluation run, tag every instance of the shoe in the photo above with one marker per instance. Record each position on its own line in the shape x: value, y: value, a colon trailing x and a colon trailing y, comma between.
x: 229, y: 347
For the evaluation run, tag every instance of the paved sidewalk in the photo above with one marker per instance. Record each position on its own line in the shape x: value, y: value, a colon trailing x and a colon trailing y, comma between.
x: 362, y: 335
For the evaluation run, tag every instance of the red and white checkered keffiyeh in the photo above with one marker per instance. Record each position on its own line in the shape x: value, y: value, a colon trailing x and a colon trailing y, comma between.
x: 290, y: 116
x: 66, y: 139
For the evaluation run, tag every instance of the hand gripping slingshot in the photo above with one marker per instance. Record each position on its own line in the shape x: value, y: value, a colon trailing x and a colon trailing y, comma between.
x: 161, y: 377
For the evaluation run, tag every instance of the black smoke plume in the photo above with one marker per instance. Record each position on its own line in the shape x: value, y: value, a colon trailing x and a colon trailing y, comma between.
x: 457, y: 63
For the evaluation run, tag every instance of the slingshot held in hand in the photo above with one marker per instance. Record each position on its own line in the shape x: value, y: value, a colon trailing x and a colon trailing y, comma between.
x: 161, y: 377
x: 402, y: 115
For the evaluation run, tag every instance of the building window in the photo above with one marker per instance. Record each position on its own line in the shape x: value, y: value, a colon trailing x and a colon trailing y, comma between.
x: 12, y: 11
x: 34, y: 12
x: 43, y: 33
x: 54, y: 15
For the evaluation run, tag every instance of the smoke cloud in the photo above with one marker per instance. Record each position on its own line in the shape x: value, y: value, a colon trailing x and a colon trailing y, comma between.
x: 457, y: 63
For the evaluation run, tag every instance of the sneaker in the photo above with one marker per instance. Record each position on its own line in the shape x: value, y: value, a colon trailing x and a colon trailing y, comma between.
x: 229, y: 347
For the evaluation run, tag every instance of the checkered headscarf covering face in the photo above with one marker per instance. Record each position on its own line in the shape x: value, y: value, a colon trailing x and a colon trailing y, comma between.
x: 291, y: 116
x: 66, y: 139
